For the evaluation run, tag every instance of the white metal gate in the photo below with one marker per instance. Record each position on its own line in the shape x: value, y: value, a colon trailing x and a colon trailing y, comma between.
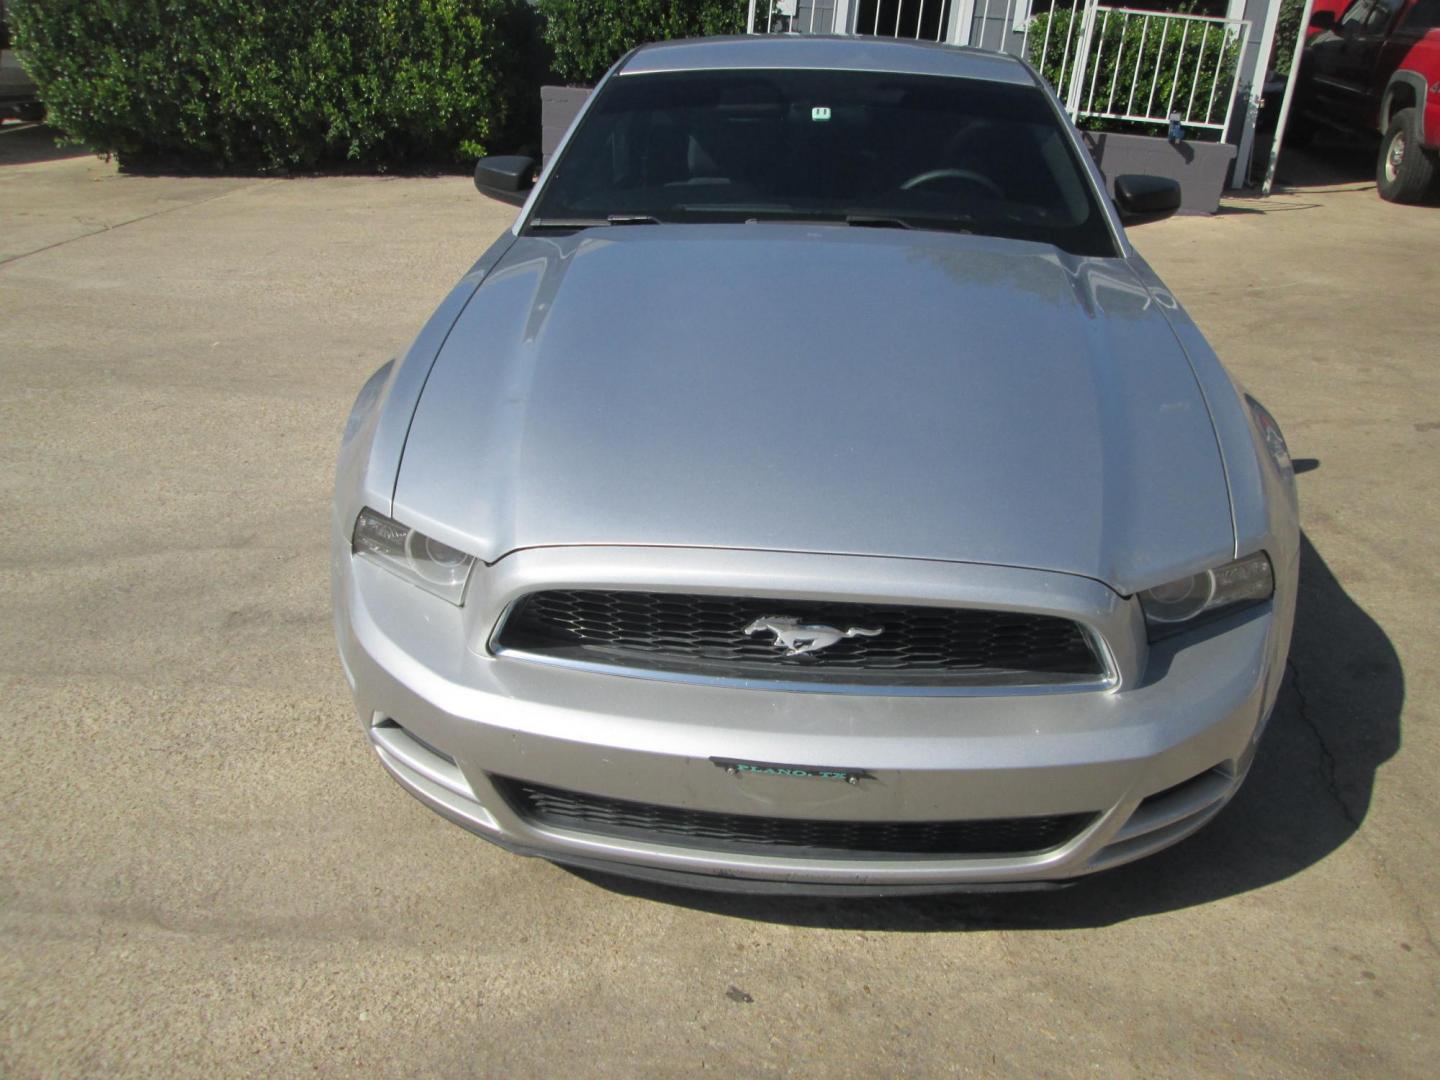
x: 919, y: 20
x: 1107, y: 63
x: 914, y: 19
x: 1144, y: 67
x: 798, y: 17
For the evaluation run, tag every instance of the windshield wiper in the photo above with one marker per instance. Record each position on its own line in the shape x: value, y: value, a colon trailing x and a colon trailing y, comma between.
x: 567, y: 223
x: 861, y: 221
x: 875, y: 221
x: 593, y: 223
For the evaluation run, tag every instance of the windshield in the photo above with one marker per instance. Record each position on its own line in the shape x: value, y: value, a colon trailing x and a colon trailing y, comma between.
x: 858, y: 148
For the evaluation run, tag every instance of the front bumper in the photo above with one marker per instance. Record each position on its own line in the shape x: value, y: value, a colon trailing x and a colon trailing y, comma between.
x: 1152, y: 757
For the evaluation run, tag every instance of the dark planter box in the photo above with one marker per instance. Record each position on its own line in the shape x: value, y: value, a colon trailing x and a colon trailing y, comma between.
x: 558, y: 106
x: 1201, y: 167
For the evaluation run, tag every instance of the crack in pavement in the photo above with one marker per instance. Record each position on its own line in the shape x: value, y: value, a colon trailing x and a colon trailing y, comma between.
x: 1327, y: 756
x: 10, y: 259
x: 1329, y: 766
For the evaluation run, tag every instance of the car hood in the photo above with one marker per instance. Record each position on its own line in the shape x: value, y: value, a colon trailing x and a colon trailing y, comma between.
x: 819, y: 389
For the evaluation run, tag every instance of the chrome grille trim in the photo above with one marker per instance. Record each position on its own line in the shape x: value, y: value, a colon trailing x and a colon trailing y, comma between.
x: 984, y: 683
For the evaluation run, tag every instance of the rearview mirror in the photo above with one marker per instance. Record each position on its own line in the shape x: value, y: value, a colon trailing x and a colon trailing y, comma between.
x: 508, y: 177
x: 1146, y: 198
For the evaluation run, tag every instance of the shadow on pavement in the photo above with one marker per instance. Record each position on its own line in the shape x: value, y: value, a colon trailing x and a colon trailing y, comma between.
x: 26, y: 144
x: 1337, y: 720
x: 1333, y: 162
x: 1330, y: 160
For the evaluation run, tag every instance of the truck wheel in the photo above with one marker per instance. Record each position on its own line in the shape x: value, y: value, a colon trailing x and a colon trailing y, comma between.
x: 1404, y: 171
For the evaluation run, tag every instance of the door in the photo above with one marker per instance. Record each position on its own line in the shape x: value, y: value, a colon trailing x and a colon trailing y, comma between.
x: 1343, y: 62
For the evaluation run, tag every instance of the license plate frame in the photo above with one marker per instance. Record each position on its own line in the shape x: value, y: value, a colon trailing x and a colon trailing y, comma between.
x: 738, y: 768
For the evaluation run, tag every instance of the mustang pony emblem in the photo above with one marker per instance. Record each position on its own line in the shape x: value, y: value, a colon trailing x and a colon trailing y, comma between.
x: 797, y: 637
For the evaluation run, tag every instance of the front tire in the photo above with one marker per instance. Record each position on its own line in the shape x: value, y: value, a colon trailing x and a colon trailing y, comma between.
x: 1404, y: 172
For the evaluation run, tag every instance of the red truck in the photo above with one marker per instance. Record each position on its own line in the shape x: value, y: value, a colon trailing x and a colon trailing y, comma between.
x: 1376, y: 68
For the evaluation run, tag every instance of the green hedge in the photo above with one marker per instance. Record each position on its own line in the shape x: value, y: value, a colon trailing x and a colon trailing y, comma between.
x: 283, y: 84
x: 587, y: 36
x: 1287, y: 29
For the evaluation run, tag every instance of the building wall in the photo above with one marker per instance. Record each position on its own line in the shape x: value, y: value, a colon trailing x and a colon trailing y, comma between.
x: 992, y: 27
x: 811, y: 16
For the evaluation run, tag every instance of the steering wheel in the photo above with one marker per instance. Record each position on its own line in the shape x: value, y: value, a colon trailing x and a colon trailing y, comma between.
x: 921, y: 179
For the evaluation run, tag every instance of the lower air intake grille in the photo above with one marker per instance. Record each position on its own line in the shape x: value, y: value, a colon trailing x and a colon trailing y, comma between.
x: 872, y: 644
x: 744, y: 833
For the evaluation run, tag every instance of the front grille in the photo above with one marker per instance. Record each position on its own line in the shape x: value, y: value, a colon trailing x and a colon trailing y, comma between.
x: 705, y: 635
x: 745, y: 833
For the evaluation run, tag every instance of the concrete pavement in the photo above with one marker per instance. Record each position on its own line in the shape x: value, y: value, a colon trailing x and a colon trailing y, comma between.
x: 203, y: 871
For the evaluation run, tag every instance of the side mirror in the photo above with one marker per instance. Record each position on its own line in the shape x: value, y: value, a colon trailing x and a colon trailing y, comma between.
x: 508, y: 178
x: 1322, y: 20
x: 1146, y: 198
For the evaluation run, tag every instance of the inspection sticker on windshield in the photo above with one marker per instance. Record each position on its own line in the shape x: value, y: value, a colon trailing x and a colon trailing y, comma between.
x: 820, y: 112
x: 803, y: 772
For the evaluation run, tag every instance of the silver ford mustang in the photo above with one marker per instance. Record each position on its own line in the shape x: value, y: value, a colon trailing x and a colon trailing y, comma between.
x: 815, y: 491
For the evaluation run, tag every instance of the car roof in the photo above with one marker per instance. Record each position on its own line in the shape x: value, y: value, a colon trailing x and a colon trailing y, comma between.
x: 750, y: 52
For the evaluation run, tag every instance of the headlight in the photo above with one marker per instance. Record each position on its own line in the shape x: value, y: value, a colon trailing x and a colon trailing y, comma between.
x: 1274, y: 439
x: 435, y: 567
x: 1178, y: 605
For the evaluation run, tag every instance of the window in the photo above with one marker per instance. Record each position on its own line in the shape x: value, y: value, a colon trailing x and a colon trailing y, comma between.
x: 1356, y: 14
x: 1424, y: 16
x: 838, y: 147
x: 1370, y: 16
x: 1381, y: 12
